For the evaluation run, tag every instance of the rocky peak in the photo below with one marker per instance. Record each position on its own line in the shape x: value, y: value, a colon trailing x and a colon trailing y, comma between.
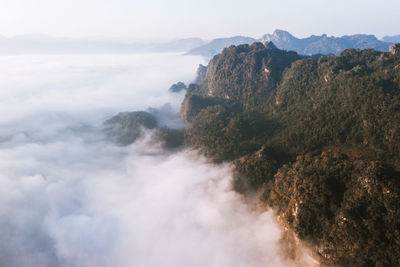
x: 283, y: 35
x: 395, y: 49
x: 177, y: 87
x: 245, y: 72
x: 270, y: 45
x: 200, y: 74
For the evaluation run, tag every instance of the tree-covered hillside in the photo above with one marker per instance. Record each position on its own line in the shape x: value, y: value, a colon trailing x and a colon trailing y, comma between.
x: 319, y: 138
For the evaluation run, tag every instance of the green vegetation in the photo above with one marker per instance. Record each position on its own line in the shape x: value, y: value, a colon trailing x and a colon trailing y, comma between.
x: 126, y: 127
x: 244, y: 73
x: 169, y: 138
x: 320, y: 137
x: 348, y: 208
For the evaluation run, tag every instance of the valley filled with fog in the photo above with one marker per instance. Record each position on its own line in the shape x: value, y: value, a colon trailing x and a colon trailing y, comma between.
x: 70, y: 197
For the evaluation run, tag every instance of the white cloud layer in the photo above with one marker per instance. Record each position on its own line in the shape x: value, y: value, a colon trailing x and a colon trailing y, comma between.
x: 70, y: 198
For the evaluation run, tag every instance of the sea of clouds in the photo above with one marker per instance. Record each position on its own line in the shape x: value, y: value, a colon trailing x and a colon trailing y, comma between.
x: 69, y: 197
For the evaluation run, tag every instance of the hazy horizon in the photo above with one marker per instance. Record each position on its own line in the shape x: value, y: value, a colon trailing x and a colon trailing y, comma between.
x: 35, y: 36
x: 177, y: 19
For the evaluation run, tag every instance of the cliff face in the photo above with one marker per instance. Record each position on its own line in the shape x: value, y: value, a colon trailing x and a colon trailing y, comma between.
x: 348, y: 208
x: 193, y: 104
x: 244, y: 72
x: 320, y: 137
x: 200, y: 74
x: 241, y: 75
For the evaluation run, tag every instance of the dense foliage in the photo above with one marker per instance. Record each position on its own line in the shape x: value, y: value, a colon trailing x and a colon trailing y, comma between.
x: 352, y: 100
x: 350, y: 209
x: 227, y: 132
x: 126, y: 127
x: 263, y: 108
x: 244, y: 73
x: 348, y: 101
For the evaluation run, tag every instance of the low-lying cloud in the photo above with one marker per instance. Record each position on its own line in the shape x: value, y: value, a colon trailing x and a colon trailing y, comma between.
x: 70, y: 203
x: 70, y: 198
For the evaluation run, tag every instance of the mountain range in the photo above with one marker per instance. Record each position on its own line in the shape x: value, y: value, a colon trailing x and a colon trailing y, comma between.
x: 392, y: 39
x: 312, y: 45
x: 43, y: 44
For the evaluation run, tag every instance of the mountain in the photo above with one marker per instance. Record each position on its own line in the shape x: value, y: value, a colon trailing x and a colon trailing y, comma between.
x: 126, y: 127
x: 42, y: 44
x: 323, y: 44
x: 392, y: 39
x: 217, y: 45
x: 312, y: 45
x: 316, y: 138
x: 180, y: 45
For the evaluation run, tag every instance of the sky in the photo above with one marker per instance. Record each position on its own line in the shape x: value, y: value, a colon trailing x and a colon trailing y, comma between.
x: 169, y: 19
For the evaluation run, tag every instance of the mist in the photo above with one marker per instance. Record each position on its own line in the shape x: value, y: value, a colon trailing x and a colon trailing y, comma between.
x: 34, y: 44
x: 69, y: 197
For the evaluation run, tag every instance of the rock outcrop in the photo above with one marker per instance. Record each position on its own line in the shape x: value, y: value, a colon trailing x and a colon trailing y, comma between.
x: 395, y: 49
x: 348, y: 208
x: 200, y: 74
x: 193, y: 104
x: 177, y: 87
x: 126, y: 127
x: 245, y: 73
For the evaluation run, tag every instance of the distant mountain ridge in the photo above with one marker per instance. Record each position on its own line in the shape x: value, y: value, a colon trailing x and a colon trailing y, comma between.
x: 42, y: 44
x: 324, y: 44
x: 217, y: 45
x: 306, y: 46
x: 312, y: 45
x: 392, y: 39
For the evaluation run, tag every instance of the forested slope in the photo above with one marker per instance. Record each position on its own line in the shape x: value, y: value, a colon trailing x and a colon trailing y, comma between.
x: 318, y: 138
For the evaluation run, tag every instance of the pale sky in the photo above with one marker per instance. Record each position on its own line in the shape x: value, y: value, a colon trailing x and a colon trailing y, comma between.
x: 166, y: 19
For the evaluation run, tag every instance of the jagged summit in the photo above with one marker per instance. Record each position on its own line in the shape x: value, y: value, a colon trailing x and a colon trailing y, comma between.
x: 259, y: 65
x: 281, y: 34
x: 312, y: 45
x: 270, y: 45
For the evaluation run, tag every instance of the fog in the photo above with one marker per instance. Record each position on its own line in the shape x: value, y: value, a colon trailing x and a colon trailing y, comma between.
x: 45, y: 44
x: 69, y: 197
